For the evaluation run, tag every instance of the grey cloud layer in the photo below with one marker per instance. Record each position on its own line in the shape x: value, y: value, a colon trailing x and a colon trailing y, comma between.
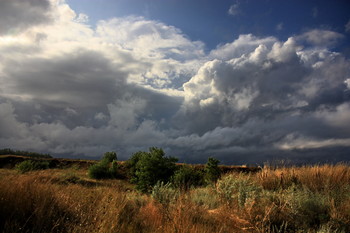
x: 134, y: 83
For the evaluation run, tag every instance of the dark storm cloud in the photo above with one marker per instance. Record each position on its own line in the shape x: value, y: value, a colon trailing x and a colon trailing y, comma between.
x: 16, y: 15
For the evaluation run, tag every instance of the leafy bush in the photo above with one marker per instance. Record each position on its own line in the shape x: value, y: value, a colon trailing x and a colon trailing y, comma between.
x: 147, y: 168
x: 233, y: 189
x: 164, y: 193
x: 187, y: 177
x: 212, y: 171
x: 106, y: 168
x: 31, y: 165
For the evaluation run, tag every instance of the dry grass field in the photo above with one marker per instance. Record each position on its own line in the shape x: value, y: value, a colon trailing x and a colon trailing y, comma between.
x: 294, y: 199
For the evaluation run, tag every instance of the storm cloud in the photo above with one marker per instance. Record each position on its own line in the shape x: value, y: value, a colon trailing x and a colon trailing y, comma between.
x: 131, y: 83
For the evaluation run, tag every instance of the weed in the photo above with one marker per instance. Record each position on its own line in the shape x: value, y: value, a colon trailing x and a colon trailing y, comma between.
x: 206, y: 197
x: 237, y: 189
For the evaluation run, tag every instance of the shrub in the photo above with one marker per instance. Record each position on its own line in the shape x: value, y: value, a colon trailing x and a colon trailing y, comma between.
x: 106, y: 168
x: 205, y: 197
x: 31, y: 165
x: 109, y: 157
x: 164, y: 193
x: 187, y: 177
x: 212, y: 171
x: 308, y: 209
x: 147, y: 168
x: 99, y: 171
x: 232, y: 189
x: 113, y: 170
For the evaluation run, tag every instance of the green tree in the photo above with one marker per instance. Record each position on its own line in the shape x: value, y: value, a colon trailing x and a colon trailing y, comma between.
x: 109, y: 157
x: 131, y: 165
x: 147, y: 168
x: 212, y: 170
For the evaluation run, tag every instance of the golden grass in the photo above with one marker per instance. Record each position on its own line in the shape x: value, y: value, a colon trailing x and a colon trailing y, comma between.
x: 297, y: 199
x: 316, y: 178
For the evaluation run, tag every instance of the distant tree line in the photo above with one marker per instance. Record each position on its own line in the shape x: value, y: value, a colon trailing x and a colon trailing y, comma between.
x: 8, y: 151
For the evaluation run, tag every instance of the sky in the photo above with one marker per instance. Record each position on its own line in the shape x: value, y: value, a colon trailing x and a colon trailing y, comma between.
x: 243, y: 81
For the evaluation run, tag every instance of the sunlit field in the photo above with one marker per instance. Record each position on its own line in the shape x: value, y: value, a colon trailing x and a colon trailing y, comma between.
x: 293, y: 199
